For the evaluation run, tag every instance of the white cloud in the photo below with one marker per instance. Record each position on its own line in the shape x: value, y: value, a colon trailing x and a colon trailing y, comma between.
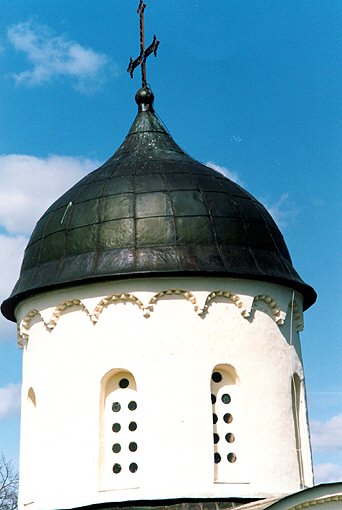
x: 29, y: 185
x: 233, y: 176
x: 282, y: 211
x: 236, y: 139
x: 54, y: 55
x: 8, y: 330
x: 9, y: 399
x: 11, y: 255
x: 327, y: 435
x: 327, y: 473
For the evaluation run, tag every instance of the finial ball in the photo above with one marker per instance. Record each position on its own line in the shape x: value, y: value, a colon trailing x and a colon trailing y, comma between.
x: 144, y: 96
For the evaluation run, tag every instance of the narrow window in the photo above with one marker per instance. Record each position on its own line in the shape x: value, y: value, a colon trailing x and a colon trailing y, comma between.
x: 297, y: 411
x: 224, y: 400
x: 31, y: 398
x: 120, y: 429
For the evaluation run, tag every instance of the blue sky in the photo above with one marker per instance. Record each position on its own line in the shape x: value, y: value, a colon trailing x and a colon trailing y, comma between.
x: 251, y: 86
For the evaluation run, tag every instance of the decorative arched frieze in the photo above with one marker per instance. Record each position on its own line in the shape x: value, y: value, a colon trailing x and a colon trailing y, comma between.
x: 234, y: 298
x: 278, y: 315
x: 51, y: 324
x: 112, y: 299
x: 170, y: 292
x: 297, y: 315
x: 62, y: 307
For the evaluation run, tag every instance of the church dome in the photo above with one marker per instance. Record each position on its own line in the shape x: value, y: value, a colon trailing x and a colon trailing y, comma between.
x: 153, y: 210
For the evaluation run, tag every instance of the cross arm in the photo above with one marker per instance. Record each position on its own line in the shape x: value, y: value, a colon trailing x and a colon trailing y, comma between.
x: 152, y: 48
x: 133, y: 64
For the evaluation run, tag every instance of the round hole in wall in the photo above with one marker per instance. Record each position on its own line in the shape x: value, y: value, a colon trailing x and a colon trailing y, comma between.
x: 217, y: 458
x: 116, y: 407
x: 215, y: 418
x: 231, y: 457
x: 213, y: 399
x: 216, y: 377
x: 216, y: 438
x: 124, y: 383
x: 230, y: 438
x: 132, y: 426
x: 116, y: 427
x: 133, y: 467
x: 116, y: 448
x: 116, y: 468
x: 227, y: 418
x: 225, y: 398
x: 132, y: 405
x: 133, y: 447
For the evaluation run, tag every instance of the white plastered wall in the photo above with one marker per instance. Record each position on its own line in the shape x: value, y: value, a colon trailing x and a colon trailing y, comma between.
x: 169, y: 333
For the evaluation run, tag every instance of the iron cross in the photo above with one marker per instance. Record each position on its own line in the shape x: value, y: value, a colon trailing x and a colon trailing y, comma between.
x: 152, y: 48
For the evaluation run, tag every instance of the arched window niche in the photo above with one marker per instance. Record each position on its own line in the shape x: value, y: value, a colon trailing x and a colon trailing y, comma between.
x: 31, y: 398
x: 119, y: 446
x: 300, y: 426
x: 225, y: 400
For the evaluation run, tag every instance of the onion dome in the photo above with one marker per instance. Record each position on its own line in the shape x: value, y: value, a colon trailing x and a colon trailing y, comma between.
x: 153, y: 210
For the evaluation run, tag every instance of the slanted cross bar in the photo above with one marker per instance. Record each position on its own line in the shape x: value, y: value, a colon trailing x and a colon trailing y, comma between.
x: 144, y: 53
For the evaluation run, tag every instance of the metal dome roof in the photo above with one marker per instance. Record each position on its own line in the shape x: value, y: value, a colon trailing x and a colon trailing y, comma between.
x: 151, y: 209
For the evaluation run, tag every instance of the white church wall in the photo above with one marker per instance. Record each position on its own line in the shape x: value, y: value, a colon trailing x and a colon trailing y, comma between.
x: 167, y: 336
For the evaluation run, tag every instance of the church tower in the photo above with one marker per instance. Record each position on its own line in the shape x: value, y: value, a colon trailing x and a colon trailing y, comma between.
x: 158, y: 311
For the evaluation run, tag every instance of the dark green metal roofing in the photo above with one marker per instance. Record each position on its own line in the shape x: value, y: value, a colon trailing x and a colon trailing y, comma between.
x: 151, y: 209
